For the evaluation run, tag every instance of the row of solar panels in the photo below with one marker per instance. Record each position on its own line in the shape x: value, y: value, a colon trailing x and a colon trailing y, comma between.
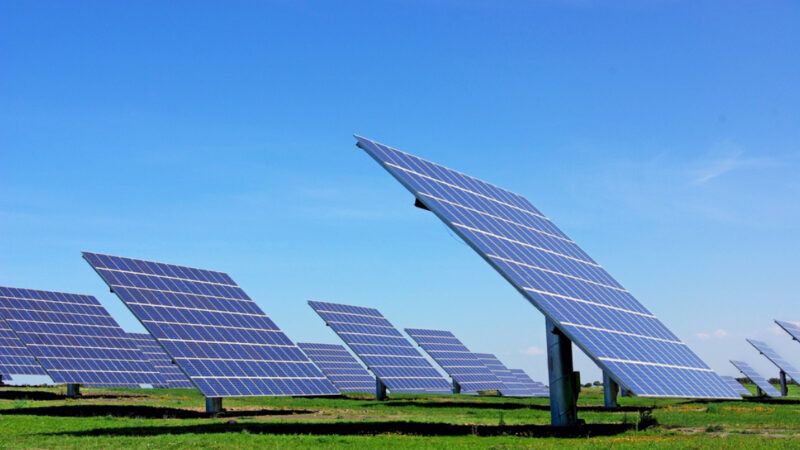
x: 784, y: 366
x: 207, y: 328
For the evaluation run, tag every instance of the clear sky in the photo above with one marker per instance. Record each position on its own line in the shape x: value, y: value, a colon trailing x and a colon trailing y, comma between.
x: 664, y: 137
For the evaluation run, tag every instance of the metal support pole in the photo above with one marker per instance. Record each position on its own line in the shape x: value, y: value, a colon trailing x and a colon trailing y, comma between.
x: 759, y: 392
x: 380, y: 390
x: 564, y: 382
x: 784, y: 386
x: 456, y: 387
x: 213, y: 405
x: 73, y: 390
x: 610, y: 391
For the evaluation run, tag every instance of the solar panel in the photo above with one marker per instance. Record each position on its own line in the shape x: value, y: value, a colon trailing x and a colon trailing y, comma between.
x: 539, y: 389
x: 15, y: 359
x: 456, y: 360
x: 775, y: 358
x: 756, y: 378
x: 74, y: 338
x: 213, y: 331
x: 513, y: 386
x: 170, y: 373
x: 344, y: 371
x: 790, y: 327
x: 396, y: 363
x: 736, y: 386
x: 591, y: 308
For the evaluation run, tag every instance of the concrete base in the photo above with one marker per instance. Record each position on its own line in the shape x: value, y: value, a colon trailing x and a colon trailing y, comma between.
x: 213, y: 405
x: 380, y: 390
x: 610, y: 392
x: 73, y: 390
x: 564, y: 382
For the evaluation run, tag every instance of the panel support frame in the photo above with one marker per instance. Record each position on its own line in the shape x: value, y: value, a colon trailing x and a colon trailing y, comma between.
x: 784, y: 384
x: 610, y: 392
x: 213, y: 405
x: 73, y: 390
x: 456, y: 387
x: 564, y: 381
x: 380, y: 390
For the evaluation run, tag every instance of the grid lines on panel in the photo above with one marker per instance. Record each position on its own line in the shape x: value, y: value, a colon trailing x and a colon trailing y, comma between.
x: 382, y: 348
x: 456, y: 360
x: 513, y: 386
x: 597, y: 313
x: 790, y: 327
x: 344, y: 371
x: 74, y: 338
x: 775, y: 358
x: 539, y: 389
x: 170, y: 373
x: 213, y: 331
x: 736, y: 386
x: 14, y: 356
x: 756, y: 378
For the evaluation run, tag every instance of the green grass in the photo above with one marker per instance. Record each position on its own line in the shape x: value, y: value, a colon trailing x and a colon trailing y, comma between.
x: 127, y: 418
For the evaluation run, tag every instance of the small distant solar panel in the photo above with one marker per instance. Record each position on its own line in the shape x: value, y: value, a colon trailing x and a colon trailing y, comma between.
x: 549, y: 269
x: 513, y: 386
x: 456, y: 360
x: 344, y: 371
x: 776, y: 359
x: 736, y: 386
x: 170, y: 373
x: 74, y: 338
x: 756, y: 378
x: 539, y: 389
x: 15, y: 359
x: 793, y: 328
x: 389, y: 355
x: 217, y: 334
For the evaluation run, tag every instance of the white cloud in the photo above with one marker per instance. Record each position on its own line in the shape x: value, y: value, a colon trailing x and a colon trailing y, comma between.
x: 533, y: 351
x: 730, y: 157
x: 716, y: 334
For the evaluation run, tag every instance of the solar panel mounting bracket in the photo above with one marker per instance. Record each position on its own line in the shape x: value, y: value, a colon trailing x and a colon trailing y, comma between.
x: 784, y: 386
x: 610, y: 392
x: 564, y: 381
x: 418, y: 203
x: 380, y: 390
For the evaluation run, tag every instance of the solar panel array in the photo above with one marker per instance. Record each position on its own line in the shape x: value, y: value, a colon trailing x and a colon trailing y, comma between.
x: 382, y: 348
x: 15, y: 359
x: 539, y: 389
x: 599, y: 315
x: 344, y: 371
x: 756, y: 378
x: 170, y: 373
x: 513, y: 386
x: 776, y: 359
x: 456, y: 360
x: 74, y: 338
x: 790, y: 327
x: 736, y: 386
x: 217, y: 334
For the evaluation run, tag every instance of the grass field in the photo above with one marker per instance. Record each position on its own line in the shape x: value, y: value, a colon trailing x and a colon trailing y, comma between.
x: 122, y: 418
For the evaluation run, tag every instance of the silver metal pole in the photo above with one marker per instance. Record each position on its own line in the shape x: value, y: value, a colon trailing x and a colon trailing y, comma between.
x: 564, y: 382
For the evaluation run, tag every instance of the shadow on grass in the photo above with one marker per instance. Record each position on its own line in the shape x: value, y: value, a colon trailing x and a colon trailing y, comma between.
x: 144, y: 412
x: 367, y: 428
x: 504, y: 406
x: 47, y: 395
x: 765, y: 400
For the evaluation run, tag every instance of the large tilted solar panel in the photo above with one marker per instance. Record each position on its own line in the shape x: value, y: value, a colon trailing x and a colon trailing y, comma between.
x: 561, y: 280
x: 170, y: 373
x: 456, y: 360
x: 736, y: 386
x: 217, y: 335
x: 75, y: 339
x: 382, y: 348
x: 15, y: 359
x: 776, y: 359
x: 790, y: 327
x: 513, y: 386
x: 344, y: 371
x: 539, y: 389
x: 756, y: 378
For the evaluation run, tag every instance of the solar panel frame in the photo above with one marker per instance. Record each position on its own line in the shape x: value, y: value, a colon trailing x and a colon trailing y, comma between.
x: 456, y: 360
x: 539, y: 389
x: 766, y: 387
x: 341, y: 367
x: 15, y: 358
x: 171, y: 374
x: 382, y: 348
x: 74, y: 339
x: 790, y: 327
x: 775, y: 358
x: 513, y: 386
x: 504, y: 210
x: 207, y: 324
x: 736, y: 386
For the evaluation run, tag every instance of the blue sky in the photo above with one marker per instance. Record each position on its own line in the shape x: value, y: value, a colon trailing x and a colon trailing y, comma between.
x: 661, y: 136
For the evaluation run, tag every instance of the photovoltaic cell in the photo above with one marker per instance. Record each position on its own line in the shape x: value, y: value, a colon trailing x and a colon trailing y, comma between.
x: 74, y: 338
x: 775, y: 358
x: 539, y: 389
x: 344, y: 371
x: 790, y: 327
x: 768, y: 389
x: 389, y: 355
x: 456, y: 360
x: 213, y: 331
x: 599, y: 315
x: 170, y: 373
x: 736, y: 386
x: 15, y: 359
x: 513, y: 386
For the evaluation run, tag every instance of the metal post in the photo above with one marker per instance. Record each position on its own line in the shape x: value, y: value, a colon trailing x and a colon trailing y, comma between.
x: 213, y: 405
x: 456, y: 387
x: 380, y: 390
x: 759, y: 392
x: 784, y: 386
x: 610, y: 391
x: 564, y: 383
x: 73, y: 390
